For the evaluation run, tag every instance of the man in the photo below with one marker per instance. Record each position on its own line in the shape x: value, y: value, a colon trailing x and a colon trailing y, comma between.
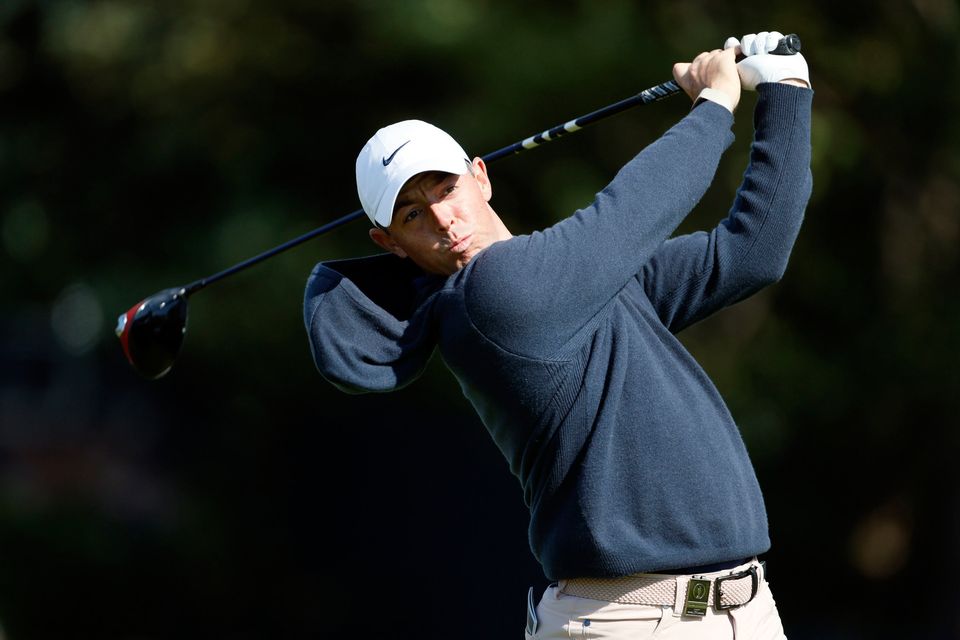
x: 644, y: 505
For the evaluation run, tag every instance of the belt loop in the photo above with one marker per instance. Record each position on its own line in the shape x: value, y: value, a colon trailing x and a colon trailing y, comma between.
x: 680, y: 596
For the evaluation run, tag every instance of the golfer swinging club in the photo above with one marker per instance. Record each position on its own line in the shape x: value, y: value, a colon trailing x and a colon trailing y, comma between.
x: 644, y: 506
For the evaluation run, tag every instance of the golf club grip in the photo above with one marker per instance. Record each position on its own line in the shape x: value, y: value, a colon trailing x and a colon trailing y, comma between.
x: 788, y: 46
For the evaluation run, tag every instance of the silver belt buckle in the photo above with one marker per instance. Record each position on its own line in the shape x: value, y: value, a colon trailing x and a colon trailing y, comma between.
x: 698, y: 592
x: 754, y: 587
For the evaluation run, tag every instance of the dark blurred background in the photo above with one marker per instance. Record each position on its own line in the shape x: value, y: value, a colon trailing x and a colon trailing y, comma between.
x: 146, y: 144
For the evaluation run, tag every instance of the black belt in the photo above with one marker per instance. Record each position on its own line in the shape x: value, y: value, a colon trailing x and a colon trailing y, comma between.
x: 705, y: 568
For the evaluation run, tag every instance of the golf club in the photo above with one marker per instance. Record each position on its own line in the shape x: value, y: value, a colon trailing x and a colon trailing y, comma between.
x: 151, y: 332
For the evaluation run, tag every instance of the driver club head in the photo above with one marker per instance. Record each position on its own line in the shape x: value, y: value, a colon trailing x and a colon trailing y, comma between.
x: 151, y: 332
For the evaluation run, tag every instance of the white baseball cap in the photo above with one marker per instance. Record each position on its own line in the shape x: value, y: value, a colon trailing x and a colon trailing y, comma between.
x: 397, y: 153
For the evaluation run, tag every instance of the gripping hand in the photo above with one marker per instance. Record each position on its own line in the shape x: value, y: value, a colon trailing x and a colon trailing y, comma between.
x: 759, y: 65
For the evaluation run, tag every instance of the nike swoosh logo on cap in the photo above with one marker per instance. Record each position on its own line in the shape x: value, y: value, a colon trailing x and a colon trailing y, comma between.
x: 389, y: 159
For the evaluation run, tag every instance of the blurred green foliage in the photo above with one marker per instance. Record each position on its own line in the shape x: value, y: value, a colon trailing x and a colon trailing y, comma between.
x: 146, y: 144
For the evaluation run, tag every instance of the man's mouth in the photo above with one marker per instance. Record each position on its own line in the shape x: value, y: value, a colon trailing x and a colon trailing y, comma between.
x: 461, y: 245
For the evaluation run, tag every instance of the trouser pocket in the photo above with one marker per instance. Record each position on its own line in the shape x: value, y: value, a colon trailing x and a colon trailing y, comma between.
x: 759, y: 618
x: 532, y: 622
x: 561, y: 617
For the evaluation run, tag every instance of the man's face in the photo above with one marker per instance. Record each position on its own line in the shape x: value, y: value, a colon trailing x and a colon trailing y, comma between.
x: 442, y: 220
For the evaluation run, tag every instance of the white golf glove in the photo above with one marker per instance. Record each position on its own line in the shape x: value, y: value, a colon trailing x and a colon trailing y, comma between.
x: 759, y: 66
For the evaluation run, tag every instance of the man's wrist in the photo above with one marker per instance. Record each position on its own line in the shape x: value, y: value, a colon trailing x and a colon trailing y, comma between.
x: 715, y: 95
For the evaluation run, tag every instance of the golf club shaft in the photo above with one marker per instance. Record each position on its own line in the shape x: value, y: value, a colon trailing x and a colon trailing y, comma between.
x: 789, y: 45
x: 653, y: 94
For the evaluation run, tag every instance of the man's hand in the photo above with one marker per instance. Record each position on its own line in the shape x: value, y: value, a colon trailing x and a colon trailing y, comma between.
x: 758, y: 66
x: 716, y: 70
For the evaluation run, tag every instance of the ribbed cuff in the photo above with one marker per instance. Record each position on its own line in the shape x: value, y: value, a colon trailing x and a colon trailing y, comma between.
x: 777, y: 97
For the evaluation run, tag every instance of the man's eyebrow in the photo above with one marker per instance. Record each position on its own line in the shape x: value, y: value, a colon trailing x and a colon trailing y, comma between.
x: 427, y: 181
x: 400, y: 203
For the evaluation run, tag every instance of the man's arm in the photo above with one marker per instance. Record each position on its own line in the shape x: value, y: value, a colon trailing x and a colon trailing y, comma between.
x: 692, y: 276
x: 531, y: 294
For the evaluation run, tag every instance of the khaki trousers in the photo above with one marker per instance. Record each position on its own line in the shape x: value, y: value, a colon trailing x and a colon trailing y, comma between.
x: 564, y: 616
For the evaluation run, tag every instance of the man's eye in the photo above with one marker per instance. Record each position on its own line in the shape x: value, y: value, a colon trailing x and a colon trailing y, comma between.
x: 412, y: 214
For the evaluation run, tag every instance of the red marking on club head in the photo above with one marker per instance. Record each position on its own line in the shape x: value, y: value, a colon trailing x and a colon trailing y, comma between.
x: 125, y: 334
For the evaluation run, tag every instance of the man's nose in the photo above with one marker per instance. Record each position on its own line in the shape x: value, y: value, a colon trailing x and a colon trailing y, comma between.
x: 443, y: 215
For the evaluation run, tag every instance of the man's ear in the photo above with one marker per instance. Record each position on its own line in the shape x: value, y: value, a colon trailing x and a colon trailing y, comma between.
x: 383, y: 240
x: 480, y: 173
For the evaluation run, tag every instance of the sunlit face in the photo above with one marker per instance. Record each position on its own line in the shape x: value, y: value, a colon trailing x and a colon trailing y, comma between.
x: 442, y: 220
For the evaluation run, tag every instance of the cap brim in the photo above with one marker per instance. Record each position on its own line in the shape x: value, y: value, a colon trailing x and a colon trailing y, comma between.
x: 384, y: 215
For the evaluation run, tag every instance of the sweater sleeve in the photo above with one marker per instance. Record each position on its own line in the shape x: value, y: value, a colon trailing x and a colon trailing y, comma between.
x: 531, y: 294
x: 691, y: 276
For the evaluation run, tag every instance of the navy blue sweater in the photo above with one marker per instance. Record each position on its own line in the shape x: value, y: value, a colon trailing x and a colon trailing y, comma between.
x: 563, y: 341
